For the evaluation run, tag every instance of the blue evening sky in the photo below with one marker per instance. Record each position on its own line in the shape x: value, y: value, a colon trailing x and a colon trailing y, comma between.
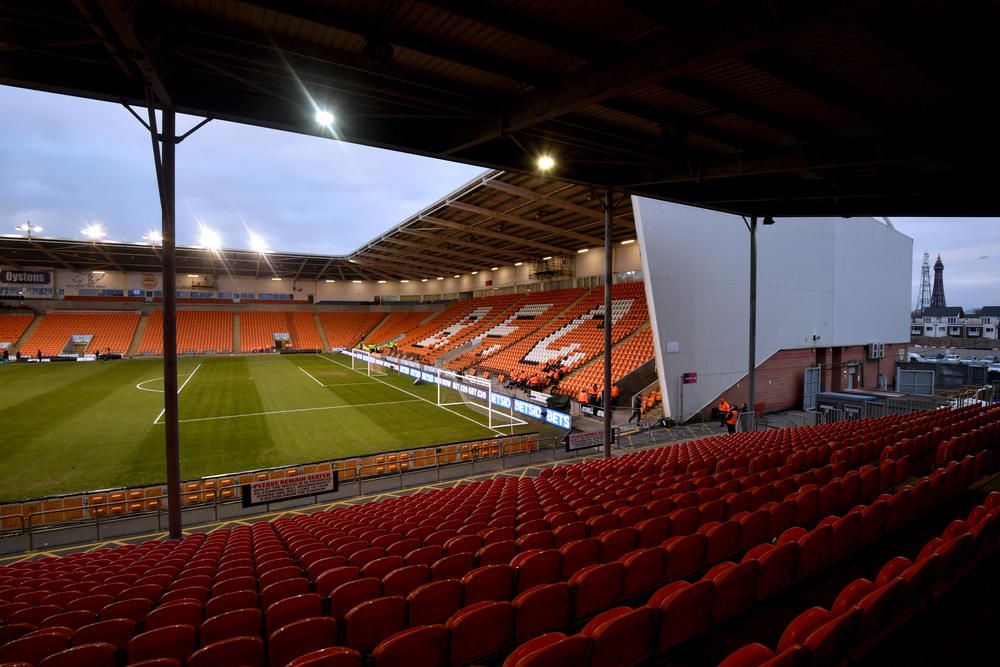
x: 68, y: 162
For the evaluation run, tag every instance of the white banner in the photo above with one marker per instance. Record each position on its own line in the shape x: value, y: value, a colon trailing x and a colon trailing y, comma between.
x: 577, y: 441
x: 273, y: 490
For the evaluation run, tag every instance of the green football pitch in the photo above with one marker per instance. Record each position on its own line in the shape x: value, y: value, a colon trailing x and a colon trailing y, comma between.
x: 70, y: 427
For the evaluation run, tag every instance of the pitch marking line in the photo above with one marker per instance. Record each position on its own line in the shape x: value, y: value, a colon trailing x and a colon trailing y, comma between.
x: 179, y: 390
x: 281, y: 412
x: 334, y: 361
x: 311, y: 376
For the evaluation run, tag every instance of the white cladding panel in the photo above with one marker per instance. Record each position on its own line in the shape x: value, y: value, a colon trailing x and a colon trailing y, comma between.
x: 821, y: 282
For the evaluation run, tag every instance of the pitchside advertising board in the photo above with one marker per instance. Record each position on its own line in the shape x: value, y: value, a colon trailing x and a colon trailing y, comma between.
x: 26, y: 277
x: 428, y: 374
x: 301, y: 486
x: 578, y: 441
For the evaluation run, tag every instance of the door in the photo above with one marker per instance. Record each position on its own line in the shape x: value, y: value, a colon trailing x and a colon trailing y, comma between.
x: 810, y: 385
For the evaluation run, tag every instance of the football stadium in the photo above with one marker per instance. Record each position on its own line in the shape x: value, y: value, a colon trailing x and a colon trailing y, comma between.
x: 640, y: 392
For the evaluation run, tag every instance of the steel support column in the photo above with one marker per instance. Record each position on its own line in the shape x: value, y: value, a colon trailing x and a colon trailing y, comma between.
x: 752, y: 362
x: 169, y: 258
x: 608, y: 217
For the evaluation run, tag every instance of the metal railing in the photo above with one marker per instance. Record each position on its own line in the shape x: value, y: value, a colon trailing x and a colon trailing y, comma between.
x: 104, y: 513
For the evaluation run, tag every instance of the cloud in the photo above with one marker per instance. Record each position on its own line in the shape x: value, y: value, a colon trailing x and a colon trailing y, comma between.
x: 66, y: 162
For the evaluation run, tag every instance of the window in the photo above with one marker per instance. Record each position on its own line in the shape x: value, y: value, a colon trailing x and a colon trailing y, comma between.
x: 952, y: 320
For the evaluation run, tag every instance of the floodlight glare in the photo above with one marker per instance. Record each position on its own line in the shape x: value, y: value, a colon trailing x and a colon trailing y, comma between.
x: 545, y: 259
x: 258, y: 244
x: 495, y: 268
x: 356, y: 281
x: 381, y: 282
x: 582, y: 250
x: 423, y: 280
x: 628, y: 241
x: 210, y: 239
x: 330, y: 281
x: 153, y: 236
x: 440, y: 277
x: 275, y: 278
x: 475, y: 273
x: 324, y: 117
x: 404, y: 281
x: 518, y: 263
x: 94, y: 232
x: 545, y: 162
x: 457, y: 276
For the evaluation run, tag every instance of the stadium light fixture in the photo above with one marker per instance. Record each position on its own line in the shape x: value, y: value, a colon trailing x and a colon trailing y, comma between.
x: 545, y: 162
x: 495, y: 268
x: 545, y: 259
x: 381, y: 282
x: 210, y: 239
x: 94, y: 231
x: 153, y: 236
x: 356, y: 282
x: 329, y: 281
x: 440, y: 277
x: 423, y: 280
x: 628, y: 241
x: 193, y: 275
x: 324, y: 118
x: 258, y: 244
x: 582, y: 250
x: 518, y: 263
x: 457, y: 276
x: 275, y: 278
x: 97, y: 273
x: 475, y: 273
x: 404, y: 281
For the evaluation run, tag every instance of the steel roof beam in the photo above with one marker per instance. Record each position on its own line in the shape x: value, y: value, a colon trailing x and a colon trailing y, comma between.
x: 549, y: 229
x: 473, y: 229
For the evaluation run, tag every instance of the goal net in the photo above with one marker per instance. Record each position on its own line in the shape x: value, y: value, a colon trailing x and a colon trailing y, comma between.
x: 371, y: 363
x: 476, y: 395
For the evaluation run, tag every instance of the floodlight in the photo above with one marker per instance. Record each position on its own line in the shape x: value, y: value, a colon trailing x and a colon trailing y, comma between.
x: 475, y: 273
x: 330, y: 281
x: 324, y: 117
x: 193, y: 275
x: 275, y: 278
x: 210, y: 239
x: 355, y: 281
x: 628, y: 241
x: 545, y: 259
x: 518, y: 263
x: 423, y: 280
x: 258, y: 244
x: 495, y: 268
x: 457, y: 276
x: 381, y: 282
x: 440, y: 277
x: 97, y: 273
x: 28, y: 227
x: 153, y: 236
x: 94, y: 232
x: 404, y: 281
x: 545, y: 162
x: 582, y: 250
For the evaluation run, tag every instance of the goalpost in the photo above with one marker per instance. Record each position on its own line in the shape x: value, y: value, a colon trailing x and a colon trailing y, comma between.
x: 454, y: 389
x: 374, y: 364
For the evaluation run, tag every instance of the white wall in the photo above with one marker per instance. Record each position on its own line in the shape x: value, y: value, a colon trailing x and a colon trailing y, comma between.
x: 822, y: 282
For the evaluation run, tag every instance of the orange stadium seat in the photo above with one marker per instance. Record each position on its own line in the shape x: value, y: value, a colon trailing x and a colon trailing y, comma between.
x: 109, y: 330
x: 456, y: 325
x: 257, y: 327
x: 395, y: 325
x: 362, y: 610
x: 345, y: 328
x: 12, y: 327
x: 198, y: 331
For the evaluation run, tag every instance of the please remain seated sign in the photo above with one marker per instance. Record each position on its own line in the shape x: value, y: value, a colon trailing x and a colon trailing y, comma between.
x: 300, y: 486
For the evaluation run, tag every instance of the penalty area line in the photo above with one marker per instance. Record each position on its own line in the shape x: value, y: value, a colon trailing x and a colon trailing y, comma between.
x: 179, y: 390
x: 458, y: 414
x: 311, y: 376
x: 291, y: 410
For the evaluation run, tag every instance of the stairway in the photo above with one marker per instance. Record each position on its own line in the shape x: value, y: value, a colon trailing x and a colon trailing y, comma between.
x: 237, y: 347
x: 322, y: 333
x: 133, y: 349
x: 27, y: 334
